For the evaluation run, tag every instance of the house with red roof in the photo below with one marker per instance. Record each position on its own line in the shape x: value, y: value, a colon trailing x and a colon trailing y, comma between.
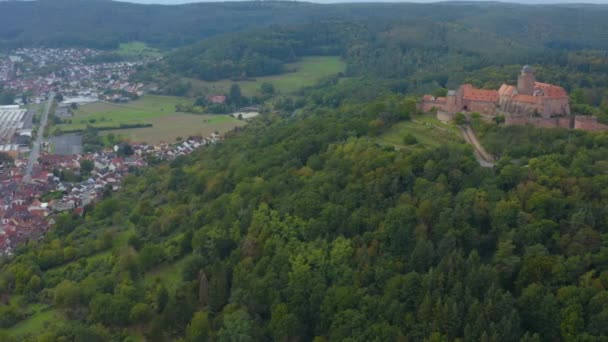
x: 217, y: 99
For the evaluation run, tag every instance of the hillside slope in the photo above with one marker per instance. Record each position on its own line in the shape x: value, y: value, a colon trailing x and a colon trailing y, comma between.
x: 304, y: 228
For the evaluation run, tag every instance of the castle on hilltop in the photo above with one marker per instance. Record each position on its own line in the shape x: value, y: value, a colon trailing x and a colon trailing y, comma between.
x: 530, y: 102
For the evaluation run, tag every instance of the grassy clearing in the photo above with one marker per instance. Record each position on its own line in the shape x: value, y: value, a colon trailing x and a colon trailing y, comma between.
x: 113, y: 114
x: 306, y: 72
x: 137, y: 50
x: 169, y: 275
x: 35, y: 324
x: 428, y: 131
x: 168, y: 128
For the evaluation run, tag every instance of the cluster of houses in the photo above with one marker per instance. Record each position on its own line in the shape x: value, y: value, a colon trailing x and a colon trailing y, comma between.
x: 6, y: 69
x: 27, y: 208
x: 70, y: 72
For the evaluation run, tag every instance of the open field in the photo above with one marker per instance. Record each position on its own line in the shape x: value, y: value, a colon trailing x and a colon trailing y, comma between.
x: 150, y: 109
x: 167, y: 128
x: 306, y: 72
x: 36, y: 323
x: 137, y: 50
x: 103, y: 114
x: 427, y: 130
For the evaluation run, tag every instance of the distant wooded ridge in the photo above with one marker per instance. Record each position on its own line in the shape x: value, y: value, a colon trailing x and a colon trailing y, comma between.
x: 105, y: 24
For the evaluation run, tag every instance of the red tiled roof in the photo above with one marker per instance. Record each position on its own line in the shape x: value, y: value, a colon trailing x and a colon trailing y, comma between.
x: 506, y: 90
x: 525, y: 98
x: 474, y: 94
x: 551, y: 90
x: 217, y: 98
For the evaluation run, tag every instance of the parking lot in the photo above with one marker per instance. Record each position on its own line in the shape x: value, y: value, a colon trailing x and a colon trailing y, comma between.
x: 66, y: 144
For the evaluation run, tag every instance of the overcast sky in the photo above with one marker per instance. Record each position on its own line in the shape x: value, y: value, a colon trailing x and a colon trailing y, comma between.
x: 168, y: 2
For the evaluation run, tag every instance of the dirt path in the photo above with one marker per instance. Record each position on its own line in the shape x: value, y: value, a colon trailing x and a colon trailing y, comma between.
x: 484, y: 158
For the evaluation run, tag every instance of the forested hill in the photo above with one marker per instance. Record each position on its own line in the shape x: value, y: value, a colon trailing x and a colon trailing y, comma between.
x: 104, y: 24
x: 414, y: 56
x: 305, y: 229
x: 435, y: 42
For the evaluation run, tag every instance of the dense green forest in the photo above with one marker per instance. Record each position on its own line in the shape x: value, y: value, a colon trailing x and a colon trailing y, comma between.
x: 304, y: 228
x: 449, y: 39
x: 105, y: 24
x: 301, y: 226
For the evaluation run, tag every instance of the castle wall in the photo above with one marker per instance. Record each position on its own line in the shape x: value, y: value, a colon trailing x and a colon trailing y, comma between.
x: 588, y: 123
x: 562, y: 122
x: 444, y: 117
x: 452, y: 104
x: 557, y: 106
x: 522, y: 108
x: 483, y: 107
x: 449, y: 104
x: 428, y: 106
x: 582, y: 122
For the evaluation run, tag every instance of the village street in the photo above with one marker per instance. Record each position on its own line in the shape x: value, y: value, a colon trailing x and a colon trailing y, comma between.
x: 39, y: 137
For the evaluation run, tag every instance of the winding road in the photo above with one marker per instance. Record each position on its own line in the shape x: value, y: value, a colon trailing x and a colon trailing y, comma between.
x: 39, y: 137
x: 484, y: 158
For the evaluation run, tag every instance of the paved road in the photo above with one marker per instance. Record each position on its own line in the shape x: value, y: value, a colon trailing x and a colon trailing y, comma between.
x: 484, y: 158
x: 36, y: 144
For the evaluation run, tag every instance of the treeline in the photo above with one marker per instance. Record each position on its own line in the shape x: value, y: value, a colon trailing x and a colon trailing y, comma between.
x: 109, y: 128
x: 105, y: 24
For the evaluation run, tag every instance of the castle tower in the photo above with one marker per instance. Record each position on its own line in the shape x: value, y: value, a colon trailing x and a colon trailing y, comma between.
x: 525, y: 81
x: 451, y: 105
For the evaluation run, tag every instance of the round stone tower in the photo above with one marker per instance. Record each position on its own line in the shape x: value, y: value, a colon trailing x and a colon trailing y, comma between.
x: 525, y: 81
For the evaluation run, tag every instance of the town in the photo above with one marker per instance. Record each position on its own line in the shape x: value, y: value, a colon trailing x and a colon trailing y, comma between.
x: 36, y: 181
x: 32, y: 76
x: 69, y: 183
x: 80, y: 75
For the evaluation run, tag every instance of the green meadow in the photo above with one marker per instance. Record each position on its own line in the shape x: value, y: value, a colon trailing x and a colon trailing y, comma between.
x: 137, y: 50
x: 427, y: 130
x: 104, y: 114
x: 167, y: 128
x: 41, y: 316
x: 304, y: 73
x: 167, y: 124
